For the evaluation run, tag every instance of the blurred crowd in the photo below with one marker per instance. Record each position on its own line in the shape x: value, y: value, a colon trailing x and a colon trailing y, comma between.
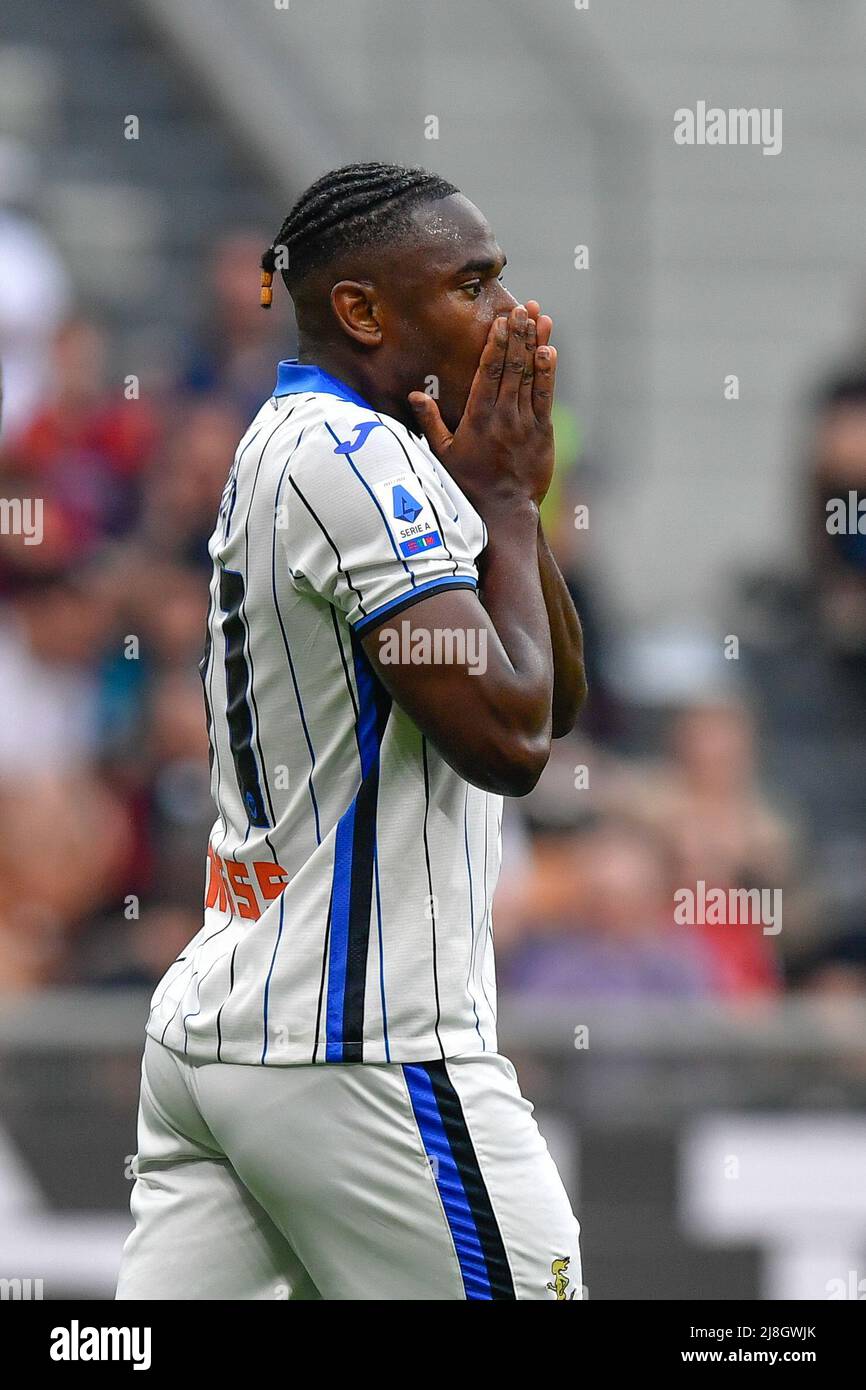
x: 104, y: 789
x: 104, y: 783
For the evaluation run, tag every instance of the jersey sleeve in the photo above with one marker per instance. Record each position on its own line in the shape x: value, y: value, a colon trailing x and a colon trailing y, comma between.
x: 369, y: 526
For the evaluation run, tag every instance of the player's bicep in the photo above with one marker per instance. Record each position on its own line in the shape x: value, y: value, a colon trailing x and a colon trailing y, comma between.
x: 443, y: 663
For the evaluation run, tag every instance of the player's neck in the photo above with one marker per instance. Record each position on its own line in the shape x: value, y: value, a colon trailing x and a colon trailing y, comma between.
x: 353, y: 372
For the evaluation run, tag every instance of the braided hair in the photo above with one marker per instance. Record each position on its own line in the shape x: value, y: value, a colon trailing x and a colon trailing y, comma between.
x: 344, y: 209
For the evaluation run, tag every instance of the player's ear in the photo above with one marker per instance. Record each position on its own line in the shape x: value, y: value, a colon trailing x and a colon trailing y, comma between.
x: 356, y: 306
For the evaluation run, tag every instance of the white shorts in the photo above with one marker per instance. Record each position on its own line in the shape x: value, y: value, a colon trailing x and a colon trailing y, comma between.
x: 351, y: 1181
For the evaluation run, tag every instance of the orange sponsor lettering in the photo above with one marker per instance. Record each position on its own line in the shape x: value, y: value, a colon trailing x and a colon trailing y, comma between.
x: 231, y: 887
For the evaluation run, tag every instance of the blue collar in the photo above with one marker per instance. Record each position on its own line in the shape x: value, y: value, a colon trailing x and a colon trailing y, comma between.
x: 295, y: 376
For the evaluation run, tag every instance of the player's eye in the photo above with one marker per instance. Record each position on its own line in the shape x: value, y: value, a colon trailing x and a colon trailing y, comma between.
x: 474, y: 287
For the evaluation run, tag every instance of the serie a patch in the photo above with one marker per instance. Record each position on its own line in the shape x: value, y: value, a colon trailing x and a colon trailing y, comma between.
x: 416, y: 544
x: 408, y: 514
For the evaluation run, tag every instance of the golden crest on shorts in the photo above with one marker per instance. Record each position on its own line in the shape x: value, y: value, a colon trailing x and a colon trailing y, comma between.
x: 561, y: 1280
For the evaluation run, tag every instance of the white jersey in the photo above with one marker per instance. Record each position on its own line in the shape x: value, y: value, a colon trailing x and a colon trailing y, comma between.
x: 350, y: 870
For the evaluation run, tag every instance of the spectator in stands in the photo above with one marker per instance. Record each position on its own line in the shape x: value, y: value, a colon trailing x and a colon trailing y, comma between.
x: 184, y: 485
x: 51, y: 641
x: 86, y: 446
x: 706, y: 802
x: 838, y: 533
x: 162, y: 779
x: 705, y: 798
x: 835, y: 966
x: 602, y: 923
x: 237, y: 350
x: 65, y: 842
x: 138, y: 957
x: 180, y: 805
x: 34, y: 290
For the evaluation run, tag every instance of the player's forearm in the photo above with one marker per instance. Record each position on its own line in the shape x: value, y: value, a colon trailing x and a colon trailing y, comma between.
x: 566, y: 636
x: 511, y: 591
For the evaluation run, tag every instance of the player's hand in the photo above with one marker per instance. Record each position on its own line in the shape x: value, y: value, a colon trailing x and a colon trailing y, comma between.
x: 502, y: 450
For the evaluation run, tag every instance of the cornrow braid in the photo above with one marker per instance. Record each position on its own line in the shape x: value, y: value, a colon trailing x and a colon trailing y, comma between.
x: 347, y: 208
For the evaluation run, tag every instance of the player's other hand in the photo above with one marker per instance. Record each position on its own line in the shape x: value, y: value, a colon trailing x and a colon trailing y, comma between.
x: 502, y: 450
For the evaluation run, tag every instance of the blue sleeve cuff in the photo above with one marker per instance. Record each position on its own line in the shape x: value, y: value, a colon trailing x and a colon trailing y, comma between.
x: 397, y: 605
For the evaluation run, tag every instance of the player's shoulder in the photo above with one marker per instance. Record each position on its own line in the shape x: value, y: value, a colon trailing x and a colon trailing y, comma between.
x: 349, y: 438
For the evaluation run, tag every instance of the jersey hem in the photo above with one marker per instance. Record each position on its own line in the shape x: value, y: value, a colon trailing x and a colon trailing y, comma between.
x: 247, y: 1051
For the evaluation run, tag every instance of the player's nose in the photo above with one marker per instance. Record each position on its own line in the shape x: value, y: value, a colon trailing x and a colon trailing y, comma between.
x: 505, y: 302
